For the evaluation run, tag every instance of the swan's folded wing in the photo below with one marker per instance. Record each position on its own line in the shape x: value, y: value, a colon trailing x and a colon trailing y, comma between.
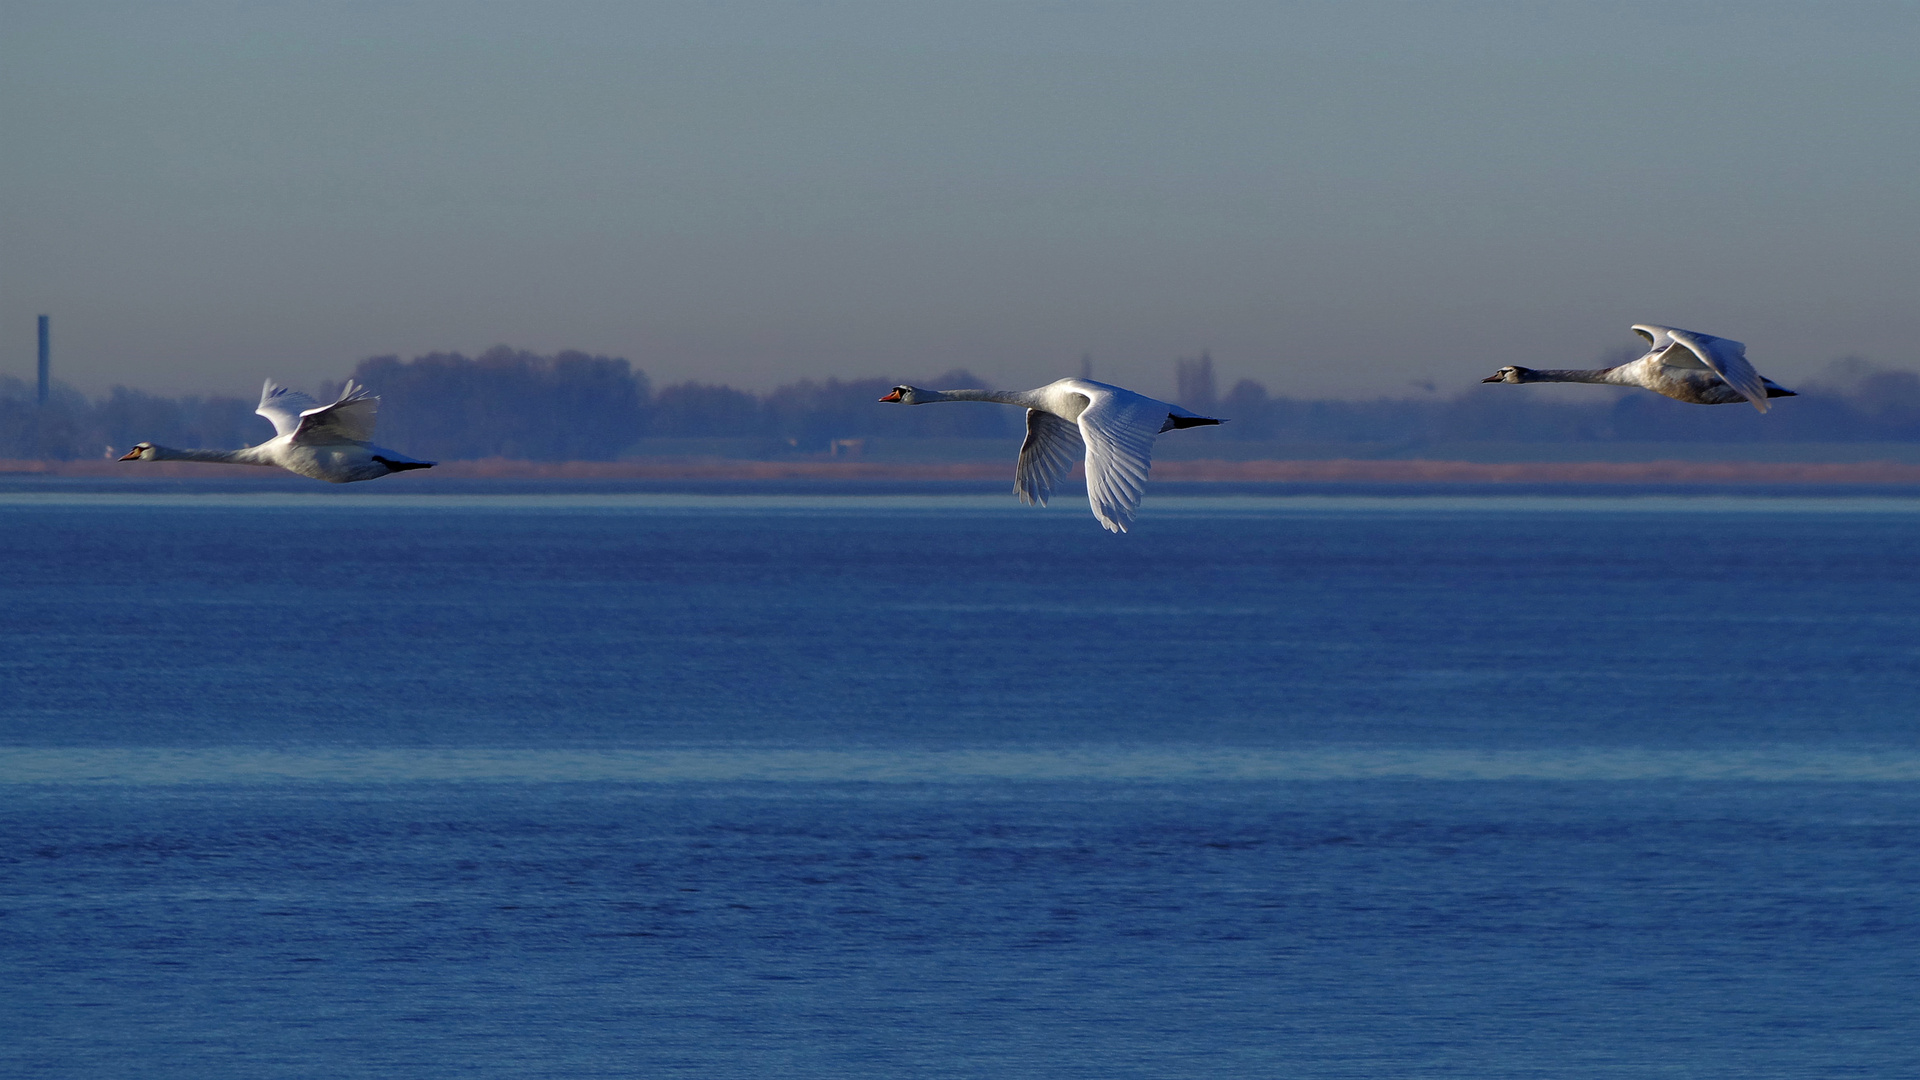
x: 1727, y: 359
x: 1052, y: 446
x: 283, y: 407
x: 1119, y: 428
x: 350, y: 419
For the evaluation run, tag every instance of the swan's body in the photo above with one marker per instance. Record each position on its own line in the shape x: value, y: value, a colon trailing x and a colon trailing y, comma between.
x: 1699, y: 369
x: 1112, y: 428
x: 327, y: 442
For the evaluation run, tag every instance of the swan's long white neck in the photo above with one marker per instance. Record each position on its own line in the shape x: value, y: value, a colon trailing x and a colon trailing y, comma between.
x: 1586, y: 375
x: 249, y: 456
x: 1024, y: 398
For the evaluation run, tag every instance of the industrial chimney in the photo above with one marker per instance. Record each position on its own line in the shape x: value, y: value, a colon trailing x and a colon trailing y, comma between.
x: 44, y: 350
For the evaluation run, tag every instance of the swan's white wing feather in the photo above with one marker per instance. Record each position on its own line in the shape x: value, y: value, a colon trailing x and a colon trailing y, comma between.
x: 1656, y: 336
x: 1052, y: 446
x: 349, y: 419
x: 1727, y: 359
x: 1119, y: 427
x: 283, y: 407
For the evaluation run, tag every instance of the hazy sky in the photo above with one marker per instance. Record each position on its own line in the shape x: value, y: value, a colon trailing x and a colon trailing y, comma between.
x: 1338, y: 199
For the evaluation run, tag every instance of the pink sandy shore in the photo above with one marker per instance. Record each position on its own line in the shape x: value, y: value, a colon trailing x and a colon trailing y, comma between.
x: 1240, y: 472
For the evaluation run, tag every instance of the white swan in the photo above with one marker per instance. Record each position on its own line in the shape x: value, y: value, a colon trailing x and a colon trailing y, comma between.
x: 1696, y: 368
x: 1115, y: 429
x: 326, y: 442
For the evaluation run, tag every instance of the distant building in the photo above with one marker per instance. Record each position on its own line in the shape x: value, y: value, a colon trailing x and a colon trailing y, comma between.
x: 1195, y: 379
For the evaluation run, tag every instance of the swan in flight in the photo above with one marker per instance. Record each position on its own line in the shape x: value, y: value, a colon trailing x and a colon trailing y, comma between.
x: 1113, y: 428
x: 326, y: 442
x: 1696, y: 368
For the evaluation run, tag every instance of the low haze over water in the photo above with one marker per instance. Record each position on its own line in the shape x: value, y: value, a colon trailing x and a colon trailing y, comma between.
x: 592, y: 783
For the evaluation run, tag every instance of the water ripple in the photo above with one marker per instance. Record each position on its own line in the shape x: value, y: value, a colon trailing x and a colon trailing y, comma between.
x: 1125, y: 764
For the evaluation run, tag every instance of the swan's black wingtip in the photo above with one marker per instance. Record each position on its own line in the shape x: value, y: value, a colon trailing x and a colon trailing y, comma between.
x: 1175, y: 423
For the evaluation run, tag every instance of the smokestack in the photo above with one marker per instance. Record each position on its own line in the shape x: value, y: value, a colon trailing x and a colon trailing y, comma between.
x: 44, y: 343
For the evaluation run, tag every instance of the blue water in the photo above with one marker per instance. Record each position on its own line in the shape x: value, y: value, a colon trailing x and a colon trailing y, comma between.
x: 597, y: 784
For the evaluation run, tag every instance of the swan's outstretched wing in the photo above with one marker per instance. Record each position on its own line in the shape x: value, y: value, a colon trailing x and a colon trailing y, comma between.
x: 349, y: 419
x: 1119, y: 427
x: 283, y: 407
x: 1052, y: 446
x: 1727, y: 359
x: 1658, y: 337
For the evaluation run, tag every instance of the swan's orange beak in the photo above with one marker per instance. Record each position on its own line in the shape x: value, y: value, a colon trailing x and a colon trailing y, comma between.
x: 1494, y: 378
x: 131, y: 455
x: 894, y: 396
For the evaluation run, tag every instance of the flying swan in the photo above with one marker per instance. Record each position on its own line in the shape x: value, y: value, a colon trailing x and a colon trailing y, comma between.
x: 1113, y: 428
x: 1696, y: 368
x: 327, y: 442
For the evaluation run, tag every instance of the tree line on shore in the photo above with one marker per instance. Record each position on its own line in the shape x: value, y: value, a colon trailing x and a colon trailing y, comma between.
x: 571, y: 406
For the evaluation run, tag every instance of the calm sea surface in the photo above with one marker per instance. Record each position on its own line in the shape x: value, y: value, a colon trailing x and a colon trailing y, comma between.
x: 316, y: 783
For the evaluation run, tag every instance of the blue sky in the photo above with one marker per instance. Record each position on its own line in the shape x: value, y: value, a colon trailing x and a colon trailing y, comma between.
x: 1341, y: 199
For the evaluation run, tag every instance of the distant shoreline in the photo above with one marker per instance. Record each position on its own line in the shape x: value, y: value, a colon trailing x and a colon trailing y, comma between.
x: 1340, y: 471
